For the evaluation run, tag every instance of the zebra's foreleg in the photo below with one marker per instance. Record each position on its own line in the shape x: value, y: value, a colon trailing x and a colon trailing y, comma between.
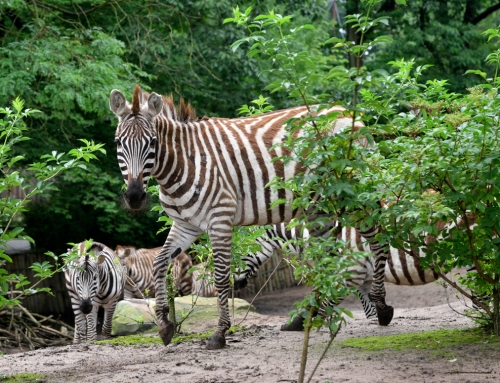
x: 80, y: 326
x: 92, y: 323
x: 107, y: 323
x: 180, y: 237
x: 221, y: 235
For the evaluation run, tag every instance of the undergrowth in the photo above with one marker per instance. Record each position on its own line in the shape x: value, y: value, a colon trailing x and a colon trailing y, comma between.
x: 148, y: 339
x: 431, y: 340
x: 24, y: 377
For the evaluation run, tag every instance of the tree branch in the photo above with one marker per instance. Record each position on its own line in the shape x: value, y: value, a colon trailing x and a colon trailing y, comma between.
x: 485, y: 13
x: 54, y: 7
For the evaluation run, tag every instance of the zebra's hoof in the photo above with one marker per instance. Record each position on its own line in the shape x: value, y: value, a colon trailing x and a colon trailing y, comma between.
x: 297, y: 324
x: 216, y: 342
x: 385, y: 315
x: 166, y: 331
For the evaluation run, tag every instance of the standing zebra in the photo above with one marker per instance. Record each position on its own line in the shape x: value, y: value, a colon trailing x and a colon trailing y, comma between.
x: 212, y: 175
x: 140, y: 281
x: 96, y: 279
x: 401, y: 268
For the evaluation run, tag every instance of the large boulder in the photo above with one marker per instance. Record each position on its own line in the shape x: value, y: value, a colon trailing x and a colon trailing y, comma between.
x: 136, y: 315
x: 133, y: 315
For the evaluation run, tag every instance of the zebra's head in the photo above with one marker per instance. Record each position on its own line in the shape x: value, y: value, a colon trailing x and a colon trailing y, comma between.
x: 136, y: 141
x: 84, y: 275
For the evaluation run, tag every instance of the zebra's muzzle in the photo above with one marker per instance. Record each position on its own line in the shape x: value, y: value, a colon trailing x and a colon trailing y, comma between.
x: 135, y: 196
x: 86, y: 306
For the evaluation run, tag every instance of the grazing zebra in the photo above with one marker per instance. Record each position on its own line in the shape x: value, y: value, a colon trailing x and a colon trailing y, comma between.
x: 140, y: 281
x: 93, y: 282
x: 212, y: 175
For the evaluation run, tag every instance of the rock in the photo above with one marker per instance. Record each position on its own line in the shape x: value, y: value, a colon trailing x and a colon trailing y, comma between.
x: 17, y: 246
x: 133, y: 315
x: 136, y: 315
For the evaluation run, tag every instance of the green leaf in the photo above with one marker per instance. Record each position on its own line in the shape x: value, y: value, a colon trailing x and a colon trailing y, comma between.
x: 478, y: 72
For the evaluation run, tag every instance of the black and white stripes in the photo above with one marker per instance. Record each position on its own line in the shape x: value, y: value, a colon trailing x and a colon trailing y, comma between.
x: 96, y: 279
x: 212, y: 175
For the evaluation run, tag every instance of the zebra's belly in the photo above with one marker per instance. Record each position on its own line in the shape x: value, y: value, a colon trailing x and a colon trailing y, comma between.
x: 199, y: 217
x: 408, y: 274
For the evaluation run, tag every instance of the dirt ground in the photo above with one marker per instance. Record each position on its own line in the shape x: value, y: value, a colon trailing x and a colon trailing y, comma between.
x: 264, y: 354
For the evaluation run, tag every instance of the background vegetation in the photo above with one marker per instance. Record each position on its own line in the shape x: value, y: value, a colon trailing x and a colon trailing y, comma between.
x: 63, y: 58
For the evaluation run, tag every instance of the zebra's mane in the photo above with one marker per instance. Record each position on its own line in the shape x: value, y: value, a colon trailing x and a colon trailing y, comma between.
x: 183, y: 112
x: 95, y: 247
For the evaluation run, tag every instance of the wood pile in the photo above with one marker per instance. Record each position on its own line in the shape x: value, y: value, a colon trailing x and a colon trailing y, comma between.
x: 22, y: 329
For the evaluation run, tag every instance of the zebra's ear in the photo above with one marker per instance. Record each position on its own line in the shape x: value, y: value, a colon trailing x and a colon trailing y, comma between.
x: 101, y: 258
x: 123, y: 253
x: 118, y: 104
x: 155, y: 104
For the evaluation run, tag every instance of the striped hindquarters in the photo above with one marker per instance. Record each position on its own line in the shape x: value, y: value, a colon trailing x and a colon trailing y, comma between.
x: 140, y: 282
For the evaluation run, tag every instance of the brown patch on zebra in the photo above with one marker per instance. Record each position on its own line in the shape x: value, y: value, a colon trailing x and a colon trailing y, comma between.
x: 358, y: 239
x: 440, y: 225
x: 469, y: 219
x: 136, y: 99
x: 184, y: 112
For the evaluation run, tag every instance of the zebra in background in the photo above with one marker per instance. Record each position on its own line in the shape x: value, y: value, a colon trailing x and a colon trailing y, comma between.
x: 140, y: 282
x: 212, y: 175
x: 93, y: 282
x: 400, y: 269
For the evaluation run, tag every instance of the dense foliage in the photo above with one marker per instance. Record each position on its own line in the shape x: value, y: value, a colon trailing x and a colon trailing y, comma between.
x: 64, y: 57
x: 12, y: 133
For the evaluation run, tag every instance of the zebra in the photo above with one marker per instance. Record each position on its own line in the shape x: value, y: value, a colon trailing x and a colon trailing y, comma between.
x: 140, y: 282
x: 212, y: 175
x: 401, y: 268
x: 94, y: 282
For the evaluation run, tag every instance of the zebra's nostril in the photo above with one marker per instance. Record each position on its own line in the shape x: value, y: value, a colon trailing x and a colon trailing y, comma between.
x: 86, y: 306
x: 135, y: 195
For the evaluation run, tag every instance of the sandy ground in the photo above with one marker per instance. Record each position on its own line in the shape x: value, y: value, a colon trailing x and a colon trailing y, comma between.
x: 264, y: 354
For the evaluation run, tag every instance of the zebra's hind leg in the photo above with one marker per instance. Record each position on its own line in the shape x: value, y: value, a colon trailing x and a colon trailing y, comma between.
x: 368, y: 306
x: 384, y: 312
x: 377, y: 293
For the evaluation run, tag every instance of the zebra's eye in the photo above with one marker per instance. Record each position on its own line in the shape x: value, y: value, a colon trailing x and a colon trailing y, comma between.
x: 153, y: 141
x: 117, y: 141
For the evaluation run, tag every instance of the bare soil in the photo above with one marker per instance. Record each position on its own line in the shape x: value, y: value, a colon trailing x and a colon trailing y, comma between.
x: 262, y: 353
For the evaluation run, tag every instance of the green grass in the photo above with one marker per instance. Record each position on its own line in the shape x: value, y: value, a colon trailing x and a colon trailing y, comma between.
x: 431, y: 340
x: 154, y: 339
x: 25, y: 377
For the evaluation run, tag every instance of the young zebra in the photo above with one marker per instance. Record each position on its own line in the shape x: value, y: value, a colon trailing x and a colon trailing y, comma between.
x: 140, y: 281
x: 212, y: 175
x: 96, y: 279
